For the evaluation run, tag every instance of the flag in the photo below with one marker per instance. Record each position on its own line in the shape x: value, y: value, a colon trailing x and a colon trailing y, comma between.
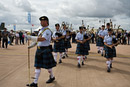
x: 14, y: 27
x: 29, y: 17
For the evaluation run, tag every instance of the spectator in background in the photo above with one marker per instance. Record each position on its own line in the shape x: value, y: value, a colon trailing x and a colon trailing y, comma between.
x: 16, y: 38
x: 0, y: 37
x: 119, y: 36
x: 21, y: 36
x: 128, y: 35
x: 23, y: 39
x: 11, y: 37
x: 25, y: 36
x: 92, y: 37
x: 73, y: 37
x: 5, y: 38
x: 124, y: 38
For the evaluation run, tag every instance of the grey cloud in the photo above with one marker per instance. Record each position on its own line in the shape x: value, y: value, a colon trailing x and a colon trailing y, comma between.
x: 25, y: 5
x: 96, y: 8
x: 71, y: 11
x: 125, y: 7
x: 3, y: 7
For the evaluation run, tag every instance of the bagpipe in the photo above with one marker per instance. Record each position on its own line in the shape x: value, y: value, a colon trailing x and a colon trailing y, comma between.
x: 58, y: 34
x: 114, y: 41
x: 68, y: 34
x: 86, y: 36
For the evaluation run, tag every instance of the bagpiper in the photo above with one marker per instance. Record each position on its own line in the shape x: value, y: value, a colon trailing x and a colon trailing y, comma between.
x: 67, y: 39
x: 82, y: 48
x: 110, y: 42
x: 58, y: 38
x: 100, y: 39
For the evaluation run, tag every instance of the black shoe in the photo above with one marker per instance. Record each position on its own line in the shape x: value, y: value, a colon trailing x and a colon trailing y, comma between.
x: 105, y: 55
x: 98, y: 51
x: 78, y: 65
x: 110, y: 65
x: 11, y: 44
x: 50, y: 80
x: 66, y: 55
x: 63, y: 57
x: 32, y: 85
x: 82, y: 63
x: 108, y: 69
x: 60, y: 61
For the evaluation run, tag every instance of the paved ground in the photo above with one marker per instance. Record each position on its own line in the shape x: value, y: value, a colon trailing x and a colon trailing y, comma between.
x: 14, y: 70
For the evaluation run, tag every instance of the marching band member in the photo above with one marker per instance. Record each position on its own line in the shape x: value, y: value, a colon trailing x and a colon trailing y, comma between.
x: 100, y: 39
x: 97, y: 39
x: 67, y: 39
x: 106, y: 34
x: 110, y: 42
x: 43, y: 57
x: 58, y: 43
x: 87, y: 43
x: 82, y: 48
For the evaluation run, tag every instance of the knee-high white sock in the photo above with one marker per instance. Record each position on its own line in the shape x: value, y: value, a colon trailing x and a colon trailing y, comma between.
x: 51, y: 73
x: 60, y: 56
x: 66, y: 51
x: 108, y: 63
x: 111, y: 61
x: 55, y: 56
x: 37, y: 74
x: 83, y: 58
x: 98, y: 48
x: 101, y: 49
x: 63, y: 54
x: 79, y: 58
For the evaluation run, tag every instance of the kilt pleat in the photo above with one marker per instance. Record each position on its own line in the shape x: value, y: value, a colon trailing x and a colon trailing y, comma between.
x: 44, y: 59
x: 59, y: 46
x: 88, y: 44
x: 110, y: 53
x: 67, y: 44
x: 82, y: 49
x: 99, y: 42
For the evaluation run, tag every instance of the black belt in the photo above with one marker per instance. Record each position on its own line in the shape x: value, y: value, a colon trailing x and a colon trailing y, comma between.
x: 42, y: 47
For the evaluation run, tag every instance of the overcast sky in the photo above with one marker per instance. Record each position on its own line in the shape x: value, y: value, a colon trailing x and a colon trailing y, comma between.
x: 71, y: 11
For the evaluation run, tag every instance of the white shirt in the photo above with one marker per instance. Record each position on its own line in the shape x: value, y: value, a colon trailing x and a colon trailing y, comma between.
x: 63, y: 32
x: 25, y: 35
x: 106, y: 32
x: 101, y: 33
x: 47, y: 35
x: 108, y: 39
x: 17, y: 35
x: 79, y: 36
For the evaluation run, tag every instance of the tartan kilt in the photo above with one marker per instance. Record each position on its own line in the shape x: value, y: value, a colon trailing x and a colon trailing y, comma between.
x: 44, y: 59
x: 59, y: 46
x: 82, y: 49
x: 88, y: 44
x: 86, y: 48
x: 105, y: 47
x: 99, y: 42
x: 110, y: 53
x: 67, y: 44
